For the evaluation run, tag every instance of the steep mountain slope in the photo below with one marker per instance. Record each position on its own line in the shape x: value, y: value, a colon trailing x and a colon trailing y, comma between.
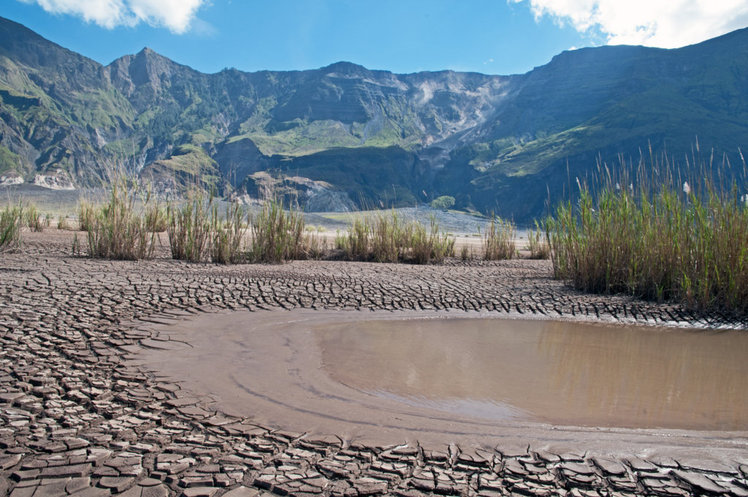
x: 599, y: 104
x: 557, y: 121
x: 57, y: 110
x: 359, y: 137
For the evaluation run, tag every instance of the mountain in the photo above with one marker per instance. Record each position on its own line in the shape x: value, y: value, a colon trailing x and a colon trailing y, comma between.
x: 344, y: 136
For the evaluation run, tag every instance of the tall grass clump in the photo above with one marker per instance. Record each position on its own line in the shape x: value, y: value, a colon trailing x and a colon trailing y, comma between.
x: 62, y: 223
x: 277, y: 234
x: 228, y: 234
x: 157, y: 218
x: 197, y: 232
x: 355, y: 242
x: 498, y: 240
x: 465, y: 253
x: 663, y: 239
x: 117, y: 230
x: 389, y: 238
x: 86, y: 215
x: 427, y: 245
x: 11, y: 221
x: 189, y: 227
x: 537, y: 243
x: 33, y: 218
x: 315, y: 243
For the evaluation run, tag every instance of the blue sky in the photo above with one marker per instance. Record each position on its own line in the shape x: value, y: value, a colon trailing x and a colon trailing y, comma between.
x: 489, y: 36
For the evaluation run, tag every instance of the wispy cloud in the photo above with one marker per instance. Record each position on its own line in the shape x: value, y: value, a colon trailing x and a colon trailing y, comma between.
x: 175, y: 15
x: 658, y: 23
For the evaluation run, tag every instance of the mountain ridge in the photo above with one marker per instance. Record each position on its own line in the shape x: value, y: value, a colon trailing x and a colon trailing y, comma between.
x: 373, y: 137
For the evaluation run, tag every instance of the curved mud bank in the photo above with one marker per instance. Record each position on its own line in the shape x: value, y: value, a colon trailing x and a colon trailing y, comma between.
x: 392, y: 377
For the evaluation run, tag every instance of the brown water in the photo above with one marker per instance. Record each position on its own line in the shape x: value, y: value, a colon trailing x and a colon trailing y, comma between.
x: 555, y: 372
x: 392, y: 377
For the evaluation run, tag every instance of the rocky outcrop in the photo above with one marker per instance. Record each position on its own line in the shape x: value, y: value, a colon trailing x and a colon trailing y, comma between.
x: 240, y: 158
x: 57, y: 180
x: 297, y: 191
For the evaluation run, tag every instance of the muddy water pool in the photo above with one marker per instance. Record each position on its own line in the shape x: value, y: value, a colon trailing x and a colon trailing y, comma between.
x: 555, y: 372
x: 437, y: 376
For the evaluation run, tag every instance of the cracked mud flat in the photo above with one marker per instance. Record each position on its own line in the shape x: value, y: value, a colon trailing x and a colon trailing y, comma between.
x: 80, y: 416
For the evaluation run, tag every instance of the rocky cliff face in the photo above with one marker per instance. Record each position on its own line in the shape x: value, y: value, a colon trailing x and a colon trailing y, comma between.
x: 369, y: 137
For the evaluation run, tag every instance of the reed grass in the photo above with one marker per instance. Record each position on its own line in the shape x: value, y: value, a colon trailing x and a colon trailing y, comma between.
x: 62, y: 223
x: 229, y: 233
x: 465, y: 253
x: 537, y: 243
x: 656, y: 237
x: 86, y: 215
x: 33, y: 219
x: 11, y: 221
x: 189, y: 227
x: 498, y: 240
x: 157, y: 218
x: 389, y: 238
x: 197, y: 232
x: 429, y: 245
x: 315, y: 244
x: 277, y: 234
x: 76, y: 248
x: 355, y: 242
x: 117, y: 230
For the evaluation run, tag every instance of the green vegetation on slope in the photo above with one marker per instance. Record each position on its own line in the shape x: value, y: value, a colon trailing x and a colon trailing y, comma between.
x: 8, y: 161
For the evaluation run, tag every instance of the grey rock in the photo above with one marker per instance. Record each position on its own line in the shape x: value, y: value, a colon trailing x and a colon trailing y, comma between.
x: 578, y: 468
x: 707, y: 466
x: 75, y: 470
x: 241, y: 491
x: 641, y: 465
x: 200, y: 492
x: 149, y: 482
x: 117, y: 484
x: 699, y: 481
x: 91, y: 492
x: 155, y: 491
x: 9, y: 461
x: 609, y: 466
x: 76, y: 484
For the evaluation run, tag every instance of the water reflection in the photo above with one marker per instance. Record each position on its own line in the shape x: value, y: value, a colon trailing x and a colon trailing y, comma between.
x: 556, y: 372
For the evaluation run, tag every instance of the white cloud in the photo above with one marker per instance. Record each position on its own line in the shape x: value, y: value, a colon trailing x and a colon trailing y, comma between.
x: 658, y: 23
x: 176, y: 15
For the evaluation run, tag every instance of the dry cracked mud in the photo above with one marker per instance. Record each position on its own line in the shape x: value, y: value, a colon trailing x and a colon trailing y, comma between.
x: 79, y: 417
